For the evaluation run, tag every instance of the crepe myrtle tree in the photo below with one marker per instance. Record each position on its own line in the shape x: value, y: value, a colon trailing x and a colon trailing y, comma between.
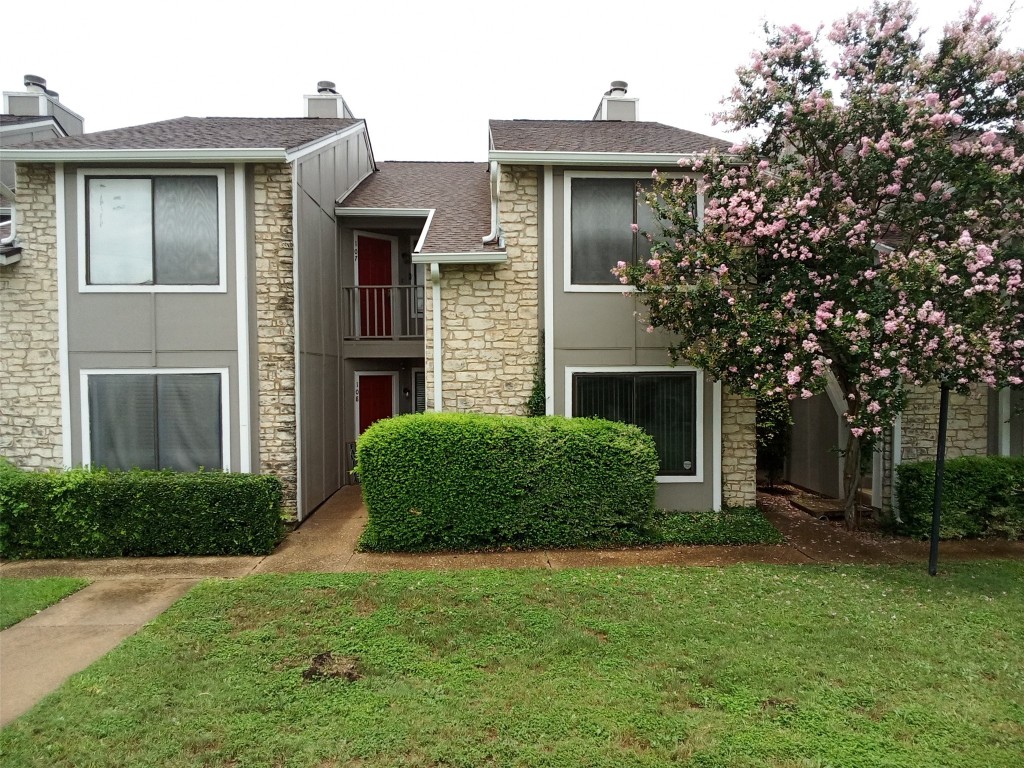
x: 871, y: 229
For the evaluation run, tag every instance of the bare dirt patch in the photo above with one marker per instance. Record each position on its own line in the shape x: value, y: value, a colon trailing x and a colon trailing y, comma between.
x: 327, y: 666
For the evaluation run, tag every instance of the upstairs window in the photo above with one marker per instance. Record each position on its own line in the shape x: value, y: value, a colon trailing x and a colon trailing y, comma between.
x: 154, y: 230
x: 602, y: 212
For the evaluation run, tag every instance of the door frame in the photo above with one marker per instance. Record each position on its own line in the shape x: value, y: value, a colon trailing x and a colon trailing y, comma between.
x: 356, y: 234
x: 355, y: 394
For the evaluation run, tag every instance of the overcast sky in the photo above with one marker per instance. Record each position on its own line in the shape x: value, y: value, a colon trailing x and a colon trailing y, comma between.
x: 425, y: 75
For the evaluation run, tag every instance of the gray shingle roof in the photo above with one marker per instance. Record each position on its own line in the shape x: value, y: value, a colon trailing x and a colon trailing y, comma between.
x: 20, y: 119
x: 459, y: 193
x: 597, y: 136
x: 207, y: 133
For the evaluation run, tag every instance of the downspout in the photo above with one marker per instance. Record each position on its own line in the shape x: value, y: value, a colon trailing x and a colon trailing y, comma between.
x: 9, y: 194
x: 495, y: 236
x: 435, y: 283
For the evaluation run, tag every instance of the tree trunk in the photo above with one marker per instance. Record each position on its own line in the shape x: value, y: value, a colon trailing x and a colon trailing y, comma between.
x: 851, y: 483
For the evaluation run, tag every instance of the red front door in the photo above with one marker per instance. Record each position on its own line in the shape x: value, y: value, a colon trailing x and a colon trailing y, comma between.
x: 375, y: 398
x: 374, y: 276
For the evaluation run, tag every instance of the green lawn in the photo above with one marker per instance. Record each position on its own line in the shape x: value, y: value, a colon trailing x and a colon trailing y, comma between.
x: 803, y: 667
x: 21, y: 598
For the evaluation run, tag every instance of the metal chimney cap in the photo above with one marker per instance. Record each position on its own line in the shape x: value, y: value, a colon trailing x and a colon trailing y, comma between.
x: 619, y: 85
x: 35, y: 80
x: 325, y: 86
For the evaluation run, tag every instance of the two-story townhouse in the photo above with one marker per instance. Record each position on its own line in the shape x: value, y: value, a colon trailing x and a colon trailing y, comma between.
x: 251, y: 294
x: 152, y: 319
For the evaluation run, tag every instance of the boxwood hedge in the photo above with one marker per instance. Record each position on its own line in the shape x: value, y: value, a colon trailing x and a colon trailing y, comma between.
x: 467, y: 481
x: 96, y: 513
x: 982, y: 496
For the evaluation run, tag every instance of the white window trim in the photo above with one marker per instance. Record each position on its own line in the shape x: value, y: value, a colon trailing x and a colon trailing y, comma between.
x: 225, y: 403
x: 698, y: 476
x: 222, y: 240
x: 567, y: 285
x: 412, y: 375
x: 355, y: 394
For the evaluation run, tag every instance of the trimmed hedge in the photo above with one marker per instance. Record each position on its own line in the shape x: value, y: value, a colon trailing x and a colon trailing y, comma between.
x: 736, y: 525
x: 96, y: 513
x: 981, y: 496
x: 467, y: 481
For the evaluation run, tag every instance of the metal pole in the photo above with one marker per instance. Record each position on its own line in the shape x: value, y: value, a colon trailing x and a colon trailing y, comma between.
x: 940, y: 462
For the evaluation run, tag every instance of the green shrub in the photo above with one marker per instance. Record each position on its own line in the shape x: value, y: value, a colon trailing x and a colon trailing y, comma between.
x: 96, y: 513
x: 463, y: 481
x: 982, y: 496
x: 739, y: 525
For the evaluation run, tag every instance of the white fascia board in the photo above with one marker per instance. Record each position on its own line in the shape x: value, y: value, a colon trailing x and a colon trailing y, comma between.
x: 317, y: 144
x: 589, y: 158
x: 248, y: 155
x: 42, y: 122
x: 397, y: 212
x: 484, y: 257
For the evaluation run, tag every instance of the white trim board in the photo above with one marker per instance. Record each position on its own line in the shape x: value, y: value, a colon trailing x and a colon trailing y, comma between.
x: 242, y: 320
x: 222, y: 248
x: 63, y: 357
x: 549, y: 291
x: 698, y: 476
x: 225, y: 402
x: 601, y: 159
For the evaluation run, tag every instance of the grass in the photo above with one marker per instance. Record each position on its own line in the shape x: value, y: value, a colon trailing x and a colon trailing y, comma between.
x: 21, y: 598
x: 786, y: 667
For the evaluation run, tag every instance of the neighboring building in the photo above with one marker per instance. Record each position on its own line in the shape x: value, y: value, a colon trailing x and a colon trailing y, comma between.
x: 984, y: 423
x: 35, y: 114
x: 251, y: 294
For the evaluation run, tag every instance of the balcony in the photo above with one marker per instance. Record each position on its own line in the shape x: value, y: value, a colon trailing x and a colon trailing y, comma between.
x: 383, y: 313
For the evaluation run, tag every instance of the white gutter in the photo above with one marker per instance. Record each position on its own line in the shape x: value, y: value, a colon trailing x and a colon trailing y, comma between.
x: 242, y: 322
x: 495, y: 236
x: 589, y: 158
x: 248, y: 155
x: 471, y: 257
x: 397, y: 212
x: 435, y: 281
x: 63, y: 356
x: 296, y: 349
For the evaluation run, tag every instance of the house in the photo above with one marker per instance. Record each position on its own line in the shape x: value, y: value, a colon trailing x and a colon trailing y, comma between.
x: 251, y: 294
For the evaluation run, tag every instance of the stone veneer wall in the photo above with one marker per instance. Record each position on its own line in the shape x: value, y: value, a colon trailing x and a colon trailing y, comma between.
x: 490, y: 325
x: 967, y: 427
x: 739, y: 450
x: 30, y: 427
x: 275, y: 326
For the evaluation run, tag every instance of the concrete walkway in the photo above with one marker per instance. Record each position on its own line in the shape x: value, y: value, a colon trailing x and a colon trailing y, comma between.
x: 39, y: 653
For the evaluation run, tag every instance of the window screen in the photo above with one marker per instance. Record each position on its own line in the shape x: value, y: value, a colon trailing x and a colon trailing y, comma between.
x: 602, y: 213
x: 663, y: 405
x: 163, y: 421
x: 160, y: 230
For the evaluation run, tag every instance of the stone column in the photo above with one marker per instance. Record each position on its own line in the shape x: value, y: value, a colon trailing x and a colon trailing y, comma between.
x: 490, y: 325
x: 739, y: 450
x: 275, y: 326
x: 30, y: 414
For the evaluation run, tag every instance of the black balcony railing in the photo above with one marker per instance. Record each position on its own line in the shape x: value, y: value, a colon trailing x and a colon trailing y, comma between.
x: 378, y: 312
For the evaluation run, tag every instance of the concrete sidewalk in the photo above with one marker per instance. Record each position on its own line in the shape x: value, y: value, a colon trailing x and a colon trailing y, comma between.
x: 38, y: 654
x: 42, y: 651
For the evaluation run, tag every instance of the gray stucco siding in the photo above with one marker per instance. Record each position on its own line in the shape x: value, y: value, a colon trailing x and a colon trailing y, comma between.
x: 600, y: 330
x: 109, y: 329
